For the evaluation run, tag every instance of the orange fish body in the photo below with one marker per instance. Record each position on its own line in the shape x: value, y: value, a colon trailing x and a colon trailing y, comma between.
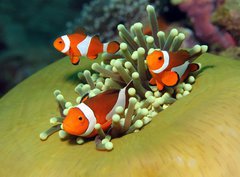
x: 80, y: 120
x: 169, y: 68
x: 80, y: 44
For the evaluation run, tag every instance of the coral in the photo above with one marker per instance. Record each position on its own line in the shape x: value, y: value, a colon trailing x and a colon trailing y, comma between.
x: 116, y: 71
x: 227, y: 16
x: 200, y: 14
x: 232, y: 52
x: 104, y: 20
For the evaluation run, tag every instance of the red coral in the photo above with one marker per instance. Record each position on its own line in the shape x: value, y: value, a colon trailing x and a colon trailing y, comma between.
x: 200, y: 14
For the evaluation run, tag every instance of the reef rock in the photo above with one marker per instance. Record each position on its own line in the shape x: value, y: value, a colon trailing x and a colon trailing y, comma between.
x: 228, y: 17
x: 106, y: 18
x: 200, y: 14
x: 233, y: 52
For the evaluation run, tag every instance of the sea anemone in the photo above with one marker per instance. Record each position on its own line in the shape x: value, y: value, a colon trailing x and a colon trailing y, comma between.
x: 115, y: 71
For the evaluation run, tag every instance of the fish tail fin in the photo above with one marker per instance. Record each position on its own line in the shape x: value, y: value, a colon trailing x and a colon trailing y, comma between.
x: 194, y: 67
x: 111, y: 47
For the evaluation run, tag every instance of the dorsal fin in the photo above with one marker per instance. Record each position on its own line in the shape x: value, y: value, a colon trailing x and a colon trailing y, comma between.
x: 183, y: 53
x: 96, y: 36
x: 84, y: 98
x: 80, y: 31
x: 178, y: 58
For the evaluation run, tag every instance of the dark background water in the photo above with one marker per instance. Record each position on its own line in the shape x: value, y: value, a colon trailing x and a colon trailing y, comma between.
x: 27, y: 30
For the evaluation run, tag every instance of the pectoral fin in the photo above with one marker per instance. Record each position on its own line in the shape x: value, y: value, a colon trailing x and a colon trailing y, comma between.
x: 74, y: 60
x: 160, y: 86
x: 84, y: 98
x: 170, y: 78
x: 152, y: 81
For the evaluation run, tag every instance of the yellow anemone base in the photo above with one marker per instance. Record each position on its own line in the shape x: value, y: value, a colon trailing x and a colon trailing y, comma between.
x: 196, y: 136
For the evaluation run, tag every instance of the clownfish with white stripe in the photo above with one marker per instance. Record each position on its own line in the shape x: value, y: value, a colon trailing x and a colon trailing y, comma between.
x: 170, y: 68
x: 80, y: 120
x: 79, y: 44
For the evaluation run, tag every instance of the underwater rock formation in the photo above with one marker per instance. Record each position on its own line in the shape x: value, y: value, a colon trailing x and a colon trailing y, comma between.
x: 200, y: 14
x: 104, y: 20
x: 232, y: 52
x: 227, y: 16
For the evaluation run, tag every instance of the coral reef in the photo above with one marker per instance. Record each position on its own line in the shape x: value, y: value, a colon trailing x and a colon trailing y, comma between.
x: 200, y: 14
x: 115, y: 71
x: 112, y: 12
x: 232, y: 52
x: 227, y: 16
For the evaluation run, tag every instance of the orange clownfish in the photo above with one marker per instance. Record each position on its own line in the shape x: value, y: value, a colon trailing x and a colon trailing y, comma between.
x: 80, y: 120
x: 79, y: 44
x: 169, y: 68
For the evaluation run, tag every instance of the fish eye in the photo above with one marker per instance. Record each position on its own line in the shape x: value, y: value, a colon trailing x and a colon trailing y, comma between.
x: 60, y: 42
x: 159, y: 58
x: 80, y: 118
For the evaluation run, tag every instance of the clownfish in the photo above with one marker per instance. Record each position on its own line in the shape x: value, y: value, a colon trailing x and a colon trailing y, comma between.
x: 80, y: 120
x: 169, y: 68
x: 79, y: 44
